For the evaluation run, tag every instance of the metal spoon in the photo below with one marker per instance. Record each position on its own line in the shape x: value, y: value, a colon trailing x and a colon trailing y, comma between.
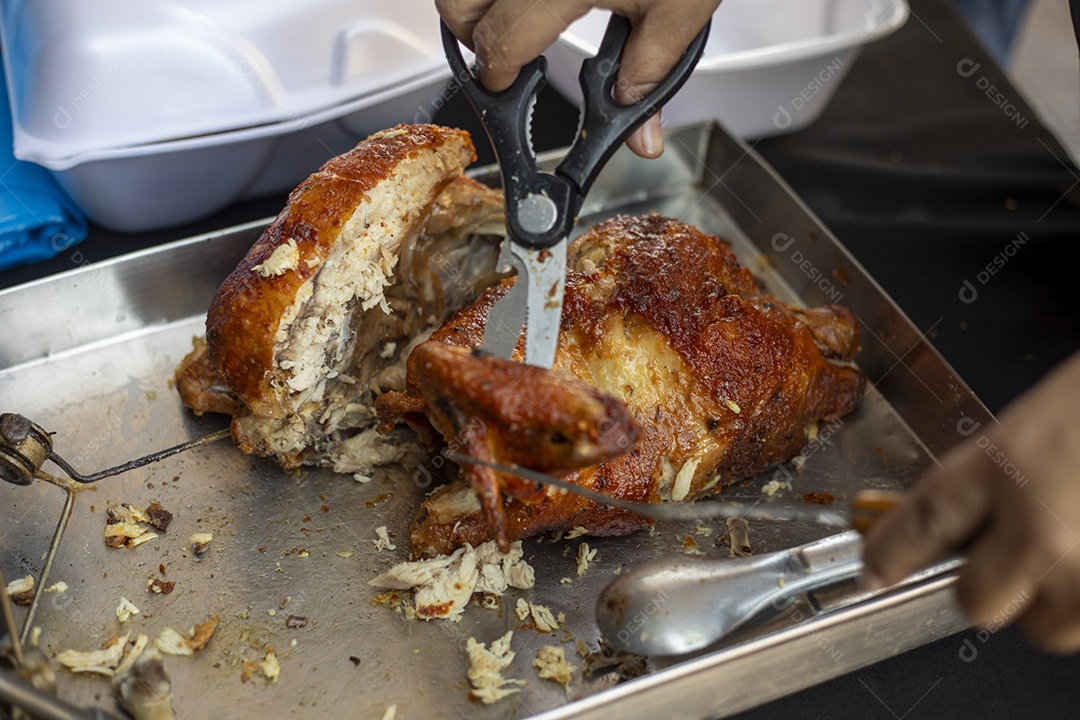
x: 675, y: 606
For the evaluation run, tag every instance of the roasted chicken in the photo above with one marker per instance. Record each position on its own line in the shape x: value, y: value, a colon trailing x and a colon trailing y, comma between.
x: 675, y: 375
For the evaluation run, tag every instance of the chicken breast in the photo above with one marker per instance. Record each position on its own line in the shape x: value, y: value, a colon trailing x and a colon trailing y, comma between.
x: 696, y: 380
x: 367, y: 258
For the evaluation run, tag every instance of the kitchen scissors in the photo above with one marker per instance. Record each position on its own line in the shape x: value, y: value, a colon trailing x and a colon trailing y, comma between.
x: 541, y: 207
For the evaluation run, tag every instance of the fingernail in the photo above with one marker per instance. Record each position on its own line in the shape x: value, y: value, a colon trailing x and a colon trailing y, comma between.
x: 652, y: 137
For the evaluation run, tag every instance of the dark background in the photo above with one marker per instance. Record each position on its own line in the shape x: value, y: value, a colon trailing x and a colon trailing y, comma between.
x: 926, y: 180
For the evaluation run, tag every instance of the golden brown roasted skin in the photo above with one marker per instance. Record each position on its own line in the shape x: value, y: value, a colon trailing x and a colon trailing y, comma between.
x: 201, y: 386
x: 372, y: 251
x: 509, y: 412
x: 244, y: 316
x: 464, y: 207
x: 721, y: 379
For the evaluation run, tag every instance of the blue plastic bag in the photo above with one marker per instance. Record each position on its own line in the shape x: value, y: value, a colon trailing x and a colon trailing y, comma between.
x: 37, y: 219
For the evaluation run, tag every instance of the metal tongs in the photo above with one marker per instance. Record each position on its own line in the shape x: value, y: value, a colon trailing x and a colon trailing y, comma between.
x: 541, y: 208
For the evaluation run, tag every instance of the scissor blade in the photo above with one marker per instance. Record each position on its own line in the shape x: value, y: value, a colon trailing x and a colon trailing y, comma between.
x: 546, y: 276
x: 673, y: 511
x: 506, y: 317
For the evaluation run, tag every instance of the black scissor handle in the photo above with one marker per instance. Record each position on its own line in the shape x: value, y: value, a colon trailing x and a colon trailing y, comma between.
x: 505, y: 116
x: 605, y: 124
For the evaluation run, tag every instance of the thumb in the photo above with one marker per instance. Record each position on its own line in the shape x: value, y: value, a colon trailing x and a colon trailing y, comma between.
x: 648, y: 140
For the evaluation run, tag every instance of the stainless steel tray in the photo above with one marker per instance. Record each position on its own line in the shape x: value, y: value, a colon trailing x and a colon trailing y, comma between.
x: 89, y: 354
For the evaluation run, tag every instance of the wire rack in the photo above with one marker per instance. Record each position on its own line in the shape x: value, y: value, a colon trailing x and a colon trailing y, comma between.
x: 28, y: 688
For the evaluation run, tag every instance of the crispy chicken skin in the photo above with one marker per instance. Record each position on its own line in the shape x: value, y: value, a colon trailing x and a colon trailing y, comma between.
x: 721, y: 382
x: 370, y: 254
x: 511, y: 412
x: 201, y: 386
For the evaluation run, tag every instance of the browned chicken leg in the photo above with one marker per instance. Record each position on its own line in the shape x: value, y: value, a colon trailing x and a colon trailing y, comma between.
x: 509, y: 412
x: 721, y: 381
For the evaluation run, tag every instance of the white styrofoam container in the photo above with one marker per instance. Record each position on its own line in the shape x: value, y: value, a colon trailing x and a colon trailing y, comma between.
x: 153, y: 113
x: 769, y: 67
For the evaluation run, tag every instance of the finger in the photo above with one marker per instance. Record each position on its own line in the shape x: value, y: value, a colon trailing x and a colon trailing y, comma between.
x: 514, y: 32
x: 1052, y: 619
x: 658, y: 38
x: 999, y: 577
x: 944, y: 510
x: 648, y: 140
x: 461, y: 16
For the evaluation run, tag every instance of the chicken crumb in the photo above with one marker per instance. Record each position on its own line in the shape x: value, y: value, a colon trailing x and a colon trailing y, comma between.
x: 551, y: 664
x: 100, y: 662
x: 690, y: 546
x: 159, y: 517
x: 200, y: 634
x: 542, y: 617
x: 443, y: 585
x: 200, y: 542
x: 382, y: 541
x: 125, y: 610
x: 268, y: 666
x: 170, y: 642
x: 819, y: 498
x: 160, y: 587
x: 486, y: 666
x: 772, y: 487
x: 21, y: 591
x: 585, y: 555
x: 127, y: 526
x: 738, y: 537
